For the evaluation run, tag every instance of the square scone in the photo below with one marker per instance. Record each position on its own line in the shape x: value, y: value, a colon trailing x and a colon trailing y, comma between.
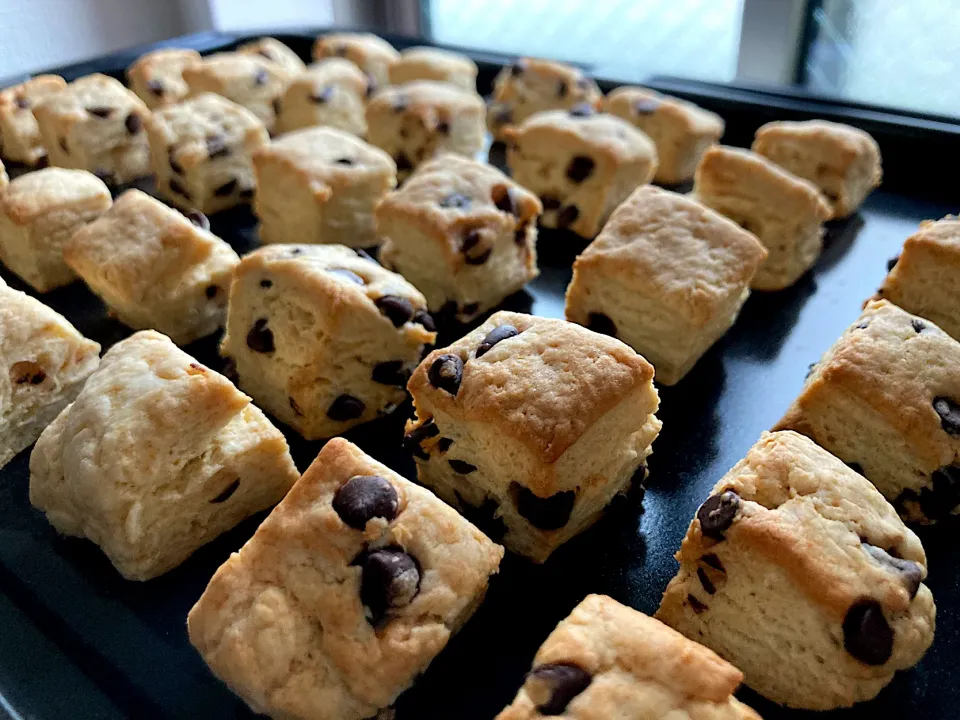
x: 45, y: 361
x: 19, y: 133
x: 843, y: 161
x: 157, y: 77
x: 322, y: 337
x: 345, y: 593
x: 39, y: 212
x: 463, y: 233
x: 925, y: 278
x: 372, y: 54
x: 321, y: 185
x: 416, y: 121
x: 157, y: 456
x: 332, y: 93
x: 797, y: 571
x: 428, y: 63
x: 785, y: 212
x: 541, y: 420
x: 681, y: 130
x: 666, y: 275
x: 155, y: 268
x: 274, y: 51
x: 96, y: 124
x: 606, y: 660
x: 582, y: 164
x: 886, y: 400
x: 201, y: 151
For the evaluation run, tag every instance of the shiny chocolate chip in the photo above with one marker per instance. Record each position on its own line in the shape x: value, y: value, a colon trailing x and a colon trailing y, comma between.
x: 949, y: 413
x: 227, y: 492
x: 198, y: 219
x: 866, y: 633
x: 179, y: 189
x: 549, y: 513
x: 322, y: 96
x: 567, y: 216
x: 397, y: 309
x: 446, y: 373
x: 345, y: 407
x: 717, y: 513
x: 403, y: 162
x: 553, y: 686
x: 496, y: 335
x: 391, y: 372
x: 347, y: 275
x: 502, y: 196
x: 581, y: 110
x: 390, y: 581
x: 100, y: 111
x: 601, y: 323
x: 155, y: 87
x: 412, y: 441
x: 461, y: 467
x: 226, y: 189
x: 260, y: 337
x: 911, y: 574
x: 646, y: 106
x: 891, y: 263
x: 580, y: 168
x: 133, y: 123
x: 260, y: 77
x: 424, y: 318
x: 217, y: 146
x: 455, y: 200
x: 364, y: 497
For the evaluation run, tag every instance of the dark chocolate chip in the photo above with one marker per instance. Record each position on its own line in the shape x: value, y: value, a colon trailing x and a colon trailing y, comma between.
x: 176, y: 187
x: 708, y: 586
x: 559, y: 684
x: 27, y: 371
x: 155, y: 86
x: 391, y: 372
x: 856, y: 467
x: 100, y: 111
x: 364, y: 497
x: 713, y: 561
x: 910, y: 572
x: 397, y: 309
x: 322, y: 96
x: 260, y: 337
x: 517, y: 68
x: 296, y: 251
x: 892, y: 262
x: 347, y: 275
x: 949, y: 413
x: 260, y: 77
x: 601, y: 323
x: 294, y: 406
x: 390, y: 580
x: 459, y: 466
x: 502, y: 332
x: 455, y: 200
x: 217, y: 146
x: 567, y: 216
x: 22, y: 102
x: 866, y: 633
x: 212, y: 291
x: 343, y: 161
x: 413, y: 439
x: 918, y: 325
x: 345, y: 407
x: 133, y: 123
x: 562, y: 88
x: 172, y: 162
x: 446, y: 372
x: 549, y: 513
x: 502, y: 196
x: 266, y: 283
x: 443, y: 444
x: 581, y: 110
x: 443, y: 127
x: 277, y: 106
x: 580, y: 168
x: 227, y: 492
x: 474, y: 253
x: 403, y: 162
x: 717, y: 513
x: 862, y: 325
x: 550, y: 202
x: 226, y: 189
x: 424, y: 318
x: 63, y: 145
x: 198, y: 219
x: 646, y: 106
x: 698, y: 607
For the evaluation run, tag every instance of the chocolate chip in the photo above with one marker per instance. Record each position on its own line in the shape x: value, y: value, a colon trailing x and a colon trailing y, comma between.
x: 403, y: 162
x: 294, y: 406
x: 713, y: 561
x: 502, y: 196
x: 910, y: 572
x: 550, y: 202
x: 580, y: 168
x: 553, y: 686
x: 322, y: 96
x: 390, y: 580
x: 917, y: 325
x: 446, y: 372
x: 260, y: 337
x: 155, y: 87
x: 443, y: 127
x: 345, y: 407
x: 717, y: 513
x: 172, y: 162
x: 260, y: 77
x: 949, y: 413
x: 364, y: 497
x: 562, y: 89
x: 455, y: 200
x: 867, y: 634
x: 347, y: 275
x: 133, y: 123
x: 22, y: 102
x: 400, y: 103
x: 176, y: 187
x: 892, y: 262
x: 226, y: 189
x: 708, y: 586
x: 212, y: 291
x: 517, y: 68
x: 646, y: 106
x: 228, y: 491
x: 277, y: 106
x: 567, y: 216
x: 862, y: 325
x: 698, y: 607
x: 474, y: 253
x: 601, y: 323
x: 343, y: 161
x: 198, y: 219
x: 62, y: 142
x: 412, y: 440
x: 391, y: 372
x: 217, y: 146
x: 266, y: 283
x: 100, y: 111
x: 424, y: 318
x: 395, y: 308
x: 459, y: 466
x: 549, y: 513
x: 27, y: 371
x: 581, y: 110
x: 496, y: 335
x: 296, y: 251
x: 443, y: 444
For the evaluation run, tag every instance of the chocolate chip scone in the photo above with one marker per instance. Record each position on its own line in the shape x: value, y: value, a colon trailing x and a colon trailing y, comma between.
x: 667, y: 276
x: 461, y: 231
x: 321, y: 185
x: 606, y: 660
x: 19, y: 133
x: 154, y: 268
x: 157, y: 77
x: 45, y: 362
x: 886, y: 399
x: 582, y: 164
x: 157, y: 456
x: 332, y: 93
x: 346, y: 592
x: 843, y: 161
x: 39, y: 212
x: 275, y: 51
x: 530, y: 86
x: 427, y: 63
x: 201, y: 152
x: 322, y: 337
x: 538, y: 422
x: 785, y: 212
x: 416, y: 121
x: 96, y: 124
x: 370, y: 53
x: 797, y: 571
x: 681, y: 130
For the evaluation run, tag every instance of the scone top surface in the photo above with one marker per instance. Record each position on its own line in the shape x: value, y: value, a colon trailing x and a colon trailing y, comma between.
x: 424, y: 99
x: 36, y: 193
x: 93, y: 95
x: 336, y: 71
x: 22, y: 141
x: 370, y: 53
x: 637, y: 103
x: 161, y: 73
x: 275, y: 51
x: 533, y: 84
x: 431, y: 63
x: 23, y: 96
x: 845, y: 143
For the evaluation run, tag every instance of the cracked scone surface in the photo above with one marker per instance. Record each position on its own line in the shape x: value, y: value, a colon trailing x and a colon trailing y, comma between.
x: 157, y: 77
x: 370, y: 53
x: 157, y: 456
x: 606, y: 660
x: 331, y: 93
x: 19, y: 133
x: 287, y: 622
x: 797, y: 571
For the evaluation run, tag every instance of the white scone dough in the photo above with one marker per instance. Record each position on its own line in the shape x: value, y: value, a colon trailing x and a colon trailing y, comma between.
x: 43, y: 364
x: 157, y: 77
x: 606, y: 660
x: 370, y: 53
x: 96, y: 124
x: 462, y: 232
x: 20, y: 139
x: 541, y: 421
x: 39, y: 212
x: 344, y: 595
x: 155, y: 268
x: 785, y: 212
x: 427, y: 63
x: 321, y: 185
x: 331, y: 93
x: 157, y: 456
x: 666, y: 275
x: 322, y: 337
x: 581, y: 163
x: 201, y: 152
x: 275, y: 51
x: 797, y: 571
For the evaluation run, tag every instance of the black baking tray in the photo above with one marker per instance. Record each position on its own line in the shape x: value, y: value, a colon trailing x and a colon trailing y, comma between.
x: 78, y: 641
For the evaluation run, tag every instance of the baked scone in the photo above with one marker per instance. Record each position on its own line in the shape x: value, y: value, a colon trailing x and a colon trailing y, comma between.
x: 427, y: 63
x: 332, y: 92
x: 530, y: 86
x: 542, y: 419
x: 96, y: 124
x: 797, y: 571
x: 157, y: 456
x: 606, y: 660
x: 785, y: 212
x: 925, y: 278
x: 321, y: 185
x: 157, y: 77
x: 582, y: 164
x: 39, y: 211
x: 248, y: 79
x: 843, y: 161
x: 322, y: 337
x: 19, y: 133
x: 681, y: 130
x: 886, y: 399
x: 416, y: 121
x: 154, y: 268
x: 370, y: 53
x: 345, y: 593
x: 667, y: 276
x: 461, y: 231
x: 4, y: 182
x: 275, y: 51
x: 201, y: 152
x: 45, y: 362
